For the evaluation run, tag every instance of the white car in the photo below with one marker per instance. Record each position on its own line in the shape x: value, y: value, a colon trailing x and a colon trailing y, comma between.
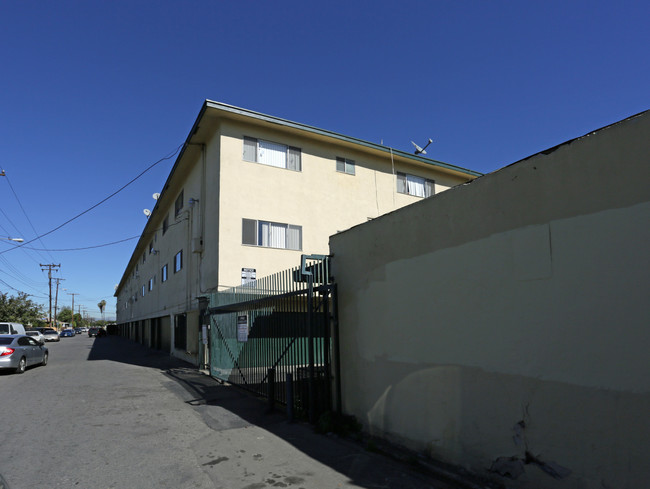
x: 50, y: 334
x: 36, y: 334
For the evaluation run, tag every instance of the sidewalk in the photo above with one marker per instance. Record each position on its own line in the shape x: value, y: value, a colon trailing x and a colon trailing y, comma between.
x: 247, y: 447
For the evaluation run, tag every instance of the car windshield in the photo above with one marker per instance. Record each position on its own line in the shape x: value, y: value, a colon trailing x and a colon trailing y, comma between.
x: 6, y: 341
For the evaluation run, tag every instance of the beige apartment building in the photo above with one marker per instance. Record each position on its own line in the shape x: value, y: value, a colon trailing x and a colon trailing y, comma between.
x: 247, y: 196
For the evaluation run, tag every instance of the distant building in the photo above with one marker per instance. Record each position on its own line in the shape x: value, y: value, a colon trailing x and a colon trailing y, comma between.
x: 248, y: 194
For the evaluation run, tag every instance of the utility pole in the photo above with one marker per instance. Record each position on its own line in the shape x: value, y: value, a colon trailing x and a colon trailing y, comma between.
x: 49, y: 276
x: 72, y: 310
x: 56, y: 297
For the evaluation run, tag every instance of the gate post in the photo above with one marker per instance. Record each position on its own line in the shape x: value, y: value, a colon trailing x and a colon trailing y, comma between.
x: 290, y: 397
x: 310, y: 346
x: 271, y: 392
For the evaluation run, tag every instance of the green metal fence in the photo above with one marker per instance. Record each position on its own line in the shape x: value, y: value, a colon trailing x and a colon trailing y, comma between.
x: 273, y: 337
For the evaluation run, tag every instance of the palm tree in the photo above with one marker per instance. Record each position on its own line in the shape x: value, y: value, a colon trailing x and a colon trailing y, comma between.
x: 102, y: 306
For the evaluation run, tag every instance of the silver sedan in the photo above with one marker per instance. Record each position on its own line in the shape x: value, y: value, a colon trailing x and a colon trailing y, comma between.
x: 17, y: 352
x: 50, y: 334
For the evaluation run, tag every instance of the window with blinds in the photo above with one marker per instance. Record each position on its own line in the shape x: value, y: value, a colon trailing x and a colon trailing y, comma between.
x: 271, y: 234
x: 272, y: 154
x: 416, y: 186
x: 345, y: 165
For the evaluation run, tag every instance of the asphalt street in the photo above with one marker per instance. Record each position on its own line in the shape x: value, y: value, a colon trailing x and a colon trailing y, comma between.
x: 109, y: 413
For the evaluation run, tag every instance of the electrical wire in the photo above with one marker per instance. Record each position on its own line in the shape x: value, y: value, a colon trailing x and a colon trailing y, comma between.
x: 86, y: 247
x: 16, y: 274
x: 150, y: 233
x: 22, y: 292
x: 6, y: 177
x: 169, y: 156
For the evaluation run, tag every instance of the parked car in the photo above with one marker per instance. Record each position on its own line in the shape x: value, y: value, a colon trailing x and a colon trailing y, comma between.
x: 93, y: 332
x: 11, y: 328
x: 67, y: 333
x: 37, y: 335
x: 17, y: 352
x: 79, y: 331
x: 50, y: 334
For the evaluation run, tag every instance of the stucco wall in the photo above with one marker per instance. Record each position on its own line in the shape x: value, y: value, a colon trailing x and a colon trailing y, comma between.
x: 504, y: 324
x: 318, y: 198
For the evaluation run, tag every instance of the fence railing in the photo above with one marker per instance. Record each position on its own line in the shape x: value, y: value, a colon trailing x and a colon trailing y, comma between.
x: 272, y: 336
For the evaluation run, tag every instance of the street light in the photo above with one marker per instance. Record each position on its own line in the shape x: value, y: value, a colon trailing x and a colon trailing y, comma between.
x: 17, y: 240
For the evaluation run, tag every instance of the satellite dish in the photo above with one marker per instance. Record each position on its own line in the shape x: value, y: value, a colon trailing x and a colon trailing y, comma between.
x: 419, y: 150
x: 147, y: 212
x: 156, y: 196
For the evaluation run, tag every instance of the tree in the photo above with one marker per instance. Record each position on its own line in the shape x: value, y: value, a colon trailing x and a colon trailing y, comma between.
x: 65, y: 315
x: 19, y: 309
x: 78, y: 320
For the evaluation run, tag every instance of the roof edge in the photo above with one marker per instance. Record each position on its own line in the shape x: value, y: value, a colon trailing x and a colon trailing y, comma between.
x: 324, y: 132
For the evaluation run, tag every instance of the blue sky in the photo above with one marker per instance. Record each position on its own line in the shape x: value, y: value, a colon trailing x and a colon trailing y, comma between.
x: 93, y: 93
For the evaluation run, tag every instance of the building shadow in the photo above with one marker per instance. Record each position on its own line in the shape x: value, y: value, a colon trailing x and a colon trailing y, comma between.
x: 223, y: 406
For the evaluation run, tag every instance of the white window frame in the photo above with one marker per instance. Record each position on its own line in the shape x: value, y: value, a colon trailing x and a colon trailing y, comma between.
x: 178, y: 261
x: 345, y: 165
x: 268, y: 234
x: 273, y: 154
x: 178, y: 204
x: 410, y: 184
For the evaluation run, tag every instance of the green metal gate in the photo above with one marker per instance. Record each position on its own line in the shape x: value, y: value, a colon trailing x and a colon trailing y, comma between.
x: 273, y: 336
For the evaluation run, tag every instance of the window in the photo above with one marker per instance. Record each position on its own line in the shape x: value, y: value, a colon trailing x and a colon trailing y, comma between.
x: 417, y: 186
x: 272, y: 154
x: 165, y: 225
x: 178, y: 261
x: 344, y: 165
x: 271, y: 234
x: 163, y: 274
x: 151, y: 247
x: 178, y: 206
x: 143, y: 290
x: 152, y: 280
x: 144, y: 257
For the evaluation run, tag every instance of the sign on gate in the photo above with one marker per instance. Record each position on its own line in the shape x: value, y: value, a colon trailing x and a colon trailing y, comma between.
x: 242, y: 328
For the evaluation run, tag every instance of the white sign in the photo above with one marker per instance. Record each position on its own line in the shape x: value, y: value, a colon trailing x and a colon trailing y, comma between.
x: 205, y: 334
x: 247, y: 275
x: 242, y: 328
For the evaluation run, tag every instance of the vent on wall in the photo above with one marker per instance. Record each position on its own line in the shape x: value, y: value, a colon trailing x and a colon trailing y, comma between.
x: 197, y: 245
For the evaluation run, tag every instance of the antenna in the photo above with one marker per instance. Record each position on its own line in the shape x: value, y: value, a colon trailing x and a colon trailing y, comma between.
x: 147, y: 212
x: 419, y: 150
x: 156, y: 196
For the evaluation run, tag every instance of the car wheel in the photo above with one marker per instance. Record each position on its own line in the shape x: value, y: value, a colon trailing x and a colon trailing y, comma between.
x: 44, y: 362
x: 21, y: 366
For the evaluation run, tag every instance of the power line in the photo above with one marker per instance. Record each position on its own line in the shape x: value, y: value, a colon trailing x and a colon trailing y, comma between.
x: 150, y: 233
x: 23, y: 209
x: 171, y: 155
x: 86, y: 247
